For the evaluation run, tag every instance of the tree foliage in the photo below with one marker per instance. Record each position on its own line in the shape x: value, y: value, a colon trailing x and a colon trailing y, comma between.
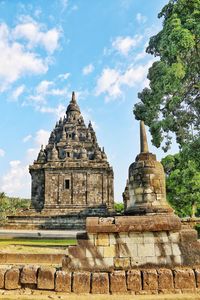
x: 171, y: 104
x: 183, y: 183
x: 119, y: 207
x: 9, y: 206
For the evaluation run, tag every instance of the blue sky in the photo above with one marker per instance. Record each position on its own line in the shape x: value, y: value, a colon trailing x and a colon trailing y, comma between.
x: 50, y: 48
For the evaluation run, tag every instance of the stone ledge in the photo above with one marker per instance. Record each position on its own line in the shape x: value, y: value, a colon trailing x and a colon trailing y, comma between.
x: 134, y: 281
x: 163, y: 222
x: 29, y: 258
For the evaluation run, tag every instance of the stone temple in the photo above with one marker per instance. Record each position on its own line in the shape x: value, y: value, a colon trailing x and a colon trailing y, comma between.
x: 72, y: 174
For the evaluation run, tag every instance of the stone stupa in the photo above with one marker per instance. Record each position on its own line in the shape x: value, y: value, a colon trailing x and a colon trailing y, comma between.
x: 145, y: 191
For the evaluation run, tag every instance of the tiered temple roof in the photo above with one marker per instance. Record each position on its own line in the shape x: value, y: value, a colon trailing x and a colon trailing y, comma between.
x: 71, y: 140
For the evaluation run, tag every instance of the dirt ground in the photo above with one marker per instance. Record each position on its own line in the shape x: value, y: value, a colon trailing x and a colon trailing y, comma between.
x: 46, y: 295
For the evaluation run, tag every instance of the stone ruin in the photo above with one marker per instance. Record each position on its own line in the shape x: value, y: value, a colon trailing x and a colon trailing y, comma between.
x: 72, y: 173
x: 150, y: 235
x: 71, y: 178
x: 145, y: 191
x: 145, y: 251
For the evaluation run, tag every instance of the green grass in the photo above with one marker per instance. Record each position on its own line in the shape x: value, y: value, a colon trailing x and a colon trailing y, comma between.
x: 37, y: 242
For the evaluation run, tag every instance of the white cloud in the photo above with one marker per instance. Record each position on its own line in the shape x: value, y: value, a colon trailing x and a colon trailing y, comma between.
x: 19, y: 55
x: 135, y: 75
x: 18, y: 92
x: 15, y: 163
x: 16, y: 179
x: 88, y: 69
x: 46, y: 88
x: 140, y: 55
x: 64, y: 4
x: 42, y: 137
x: 37, y: 12
x: 124, y: 44
x: 15, y: 60
x: 27, y: 138
x: 111, y: 81
x: 58, y: 111
x: 32, y: 32
x: 88, y: 117
x: 64, y: 76
x: 140, y: 18
x: 58, y: 92
x: 2, y: 153
x: 43, y: 87
x: 32, y: 154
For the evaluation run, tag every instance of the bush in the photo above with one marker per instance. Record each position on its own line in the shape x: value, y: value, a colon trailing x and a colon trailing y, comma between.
x: 119, y: 207
x: 9, y: 206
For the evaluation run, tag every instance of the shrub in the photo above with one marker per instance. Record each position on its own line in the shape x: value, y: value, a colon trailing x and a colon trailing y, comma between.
x: 9, y: 206
x: 119, y: 207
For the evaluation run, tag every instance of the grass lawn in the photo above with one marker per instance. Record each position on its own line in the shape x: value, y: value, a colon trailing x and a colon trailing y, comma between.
x: 35, y: 245
x: 37, y: 242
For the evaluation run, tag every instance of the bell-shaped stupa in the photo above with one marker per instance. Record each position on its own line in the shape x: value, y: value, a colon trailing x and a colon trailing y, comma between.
x: 145, y: 190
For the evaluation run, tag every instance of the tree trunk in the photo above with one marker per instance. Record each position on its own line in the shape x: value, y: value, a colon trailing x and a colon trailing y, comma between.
x: 193, y: 210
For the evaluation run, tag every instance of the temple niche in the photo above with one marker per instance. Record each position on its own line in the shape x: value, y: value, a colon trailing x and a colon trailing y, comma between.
x: 72, y: 173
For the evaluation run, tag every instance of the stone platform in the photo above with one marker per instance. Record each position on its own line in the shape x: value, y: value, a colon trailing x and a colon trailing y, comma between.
x: 60, y: 218
x: 62, y: 222
x: 122, y: 243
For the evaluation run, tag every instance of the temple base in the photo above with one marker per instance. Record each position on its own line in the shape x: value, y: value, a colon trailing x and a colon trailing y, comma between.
x: 123, y: 243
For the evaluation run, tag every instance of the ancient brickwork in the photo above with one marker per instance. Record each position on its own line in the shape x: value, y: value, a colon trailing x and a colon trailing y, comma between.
x: 139, y: 282
x: 72, y: 171
x: 122, y: 243
x: 145, y: 190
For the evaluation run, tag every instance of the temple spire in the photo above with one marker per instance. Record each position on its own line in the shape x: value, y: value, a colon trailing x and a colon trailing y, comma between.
x: 73, y: 109
x: 143, y: 139
x: 73, y: 97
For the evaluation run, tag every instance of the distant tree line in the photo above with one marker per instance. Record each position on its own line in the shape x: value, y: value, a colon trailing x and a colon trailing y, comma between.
x: 10, y: 205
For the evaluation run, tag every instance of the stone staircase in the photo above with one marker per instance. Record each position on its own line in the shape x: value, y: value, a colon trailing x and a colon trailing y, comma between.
x: 60, y: 219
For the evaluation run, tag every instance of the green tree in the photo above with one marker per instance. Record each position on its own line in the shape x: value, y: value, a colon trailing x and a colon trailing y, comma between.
x: 183, y: 183
x: 5, y: 208
x: 171, y: 104
x: 9, y: 206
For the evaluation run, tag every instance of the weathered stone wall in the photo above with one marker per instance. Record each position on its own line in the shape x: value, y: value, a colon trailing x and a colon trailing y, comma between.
x: 146, y: 181
x: 122, y: 250
x: 38, y: 189
x: 138, y: 281
x: 88, y: 187
x: 121, y: 243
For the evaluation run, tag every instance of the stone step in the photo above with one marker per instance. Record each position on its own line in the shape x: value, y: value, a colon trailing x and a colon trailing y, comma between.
x: 23, y: 258
x: 68, y: 223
